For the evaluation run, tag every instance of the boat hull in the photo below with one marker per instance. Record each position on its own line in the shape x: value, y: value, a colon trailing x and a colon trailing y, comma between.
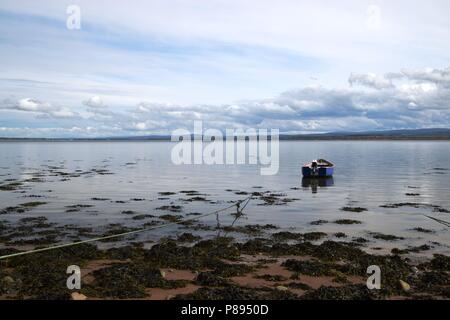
x: 320, y: 172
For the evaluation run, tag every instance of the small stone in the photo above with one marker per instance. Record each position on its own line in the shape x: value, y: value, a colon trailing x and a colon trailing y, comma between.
x: 78, y: 296
x: 405, y: 286
x: 163, y: 274
x: 8, y: 280
x: 415, y: 270
x: 282, y: 288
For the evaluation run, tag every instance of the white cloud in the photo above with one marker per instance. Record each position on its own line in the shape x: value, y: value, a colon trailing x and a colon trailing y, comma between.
x: 38, y: 108
x: 431, y: 75
x: 32, y: 105
x: 370, y: 80
x: 94, y: 102
x: 140, y: 126
x: 63, y: 113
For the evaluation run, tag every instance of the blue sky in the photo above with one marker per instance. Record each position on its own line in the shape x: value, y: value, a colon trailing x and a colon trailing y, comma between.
x: 149, y: 67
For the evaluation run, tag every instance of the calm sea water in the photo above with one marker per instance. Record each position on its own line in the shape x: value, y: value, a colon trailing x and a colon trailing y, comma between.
x: 368, y: 174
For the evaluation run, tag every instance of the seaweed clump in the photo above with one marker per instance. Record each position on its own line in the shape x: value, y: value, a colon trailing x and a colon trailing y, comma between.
x: 43, y: 275
x: 349, y: 292
x: 354, y: 209
x: 129, y: 280
x: 233, y: 292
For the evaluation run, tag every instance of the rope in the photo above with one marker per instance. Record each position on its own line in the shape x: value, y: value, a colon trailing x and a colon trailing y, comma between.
x: 445, y: 223
x: 122, y: 234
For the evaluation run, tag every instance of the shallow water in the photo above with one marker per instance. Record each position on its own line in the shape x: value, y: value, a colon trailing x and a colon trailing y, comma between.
x: 368, y: 174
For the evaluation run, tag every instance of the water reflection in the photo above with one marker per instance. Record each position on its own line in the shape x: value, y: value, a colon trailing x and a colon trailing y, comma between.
x: 314, y: 183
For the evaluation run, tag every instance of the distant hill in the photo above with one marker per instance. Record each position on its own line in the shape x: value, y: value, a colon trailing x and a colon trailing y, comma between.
x: 412, y: 134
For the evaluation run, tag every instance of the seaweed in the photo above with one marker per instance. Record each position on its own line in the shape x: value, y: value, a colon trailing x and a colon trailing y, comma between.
x: 347, y: 221
x: 299, y: 285
x: 12, y: 186
x: 440, y: 262
x: 311, y: 267
x: 233, y: 292
x: 129, y: 212
x: 33, y: 204
x: 423, y: 230
x: 171, y: 217
x: 255, y: 229
x: 313, y: 236
x: 349, y: 292
x: 166, y: 193
x: 433, y: 282
x: 387, y: 237
x: 318, y: 222
x: 22, y: 207
x: 43, y: 275
x: 286, y: 235
x: 271, y: 277
x: 129, y: 280
x: 196, y: 198
x: 354, y: 209
x: 172, y: 208
x: 211, y: 279
x: 188, y: 237
x: 142, y: 216
x: 340, y: 235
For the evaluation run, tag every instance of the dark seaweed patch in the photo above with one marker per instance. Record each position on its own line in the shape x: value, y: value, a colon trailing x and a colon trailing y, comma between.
x: 347, y: 221
x: 423, y: 230
x: 354, y: 209
x: 129, y: 280
x: 271, y: 277
x: 349, y: 292
x: 387, y: 237
x: 233, y: 292
x: 173, y: 208
x: 318, y: 222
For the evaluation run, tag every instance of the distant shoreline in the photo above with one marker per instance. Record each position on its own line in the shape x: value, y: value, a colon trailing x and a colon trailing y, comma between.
x: 438, y: 134
x: 328, y: 138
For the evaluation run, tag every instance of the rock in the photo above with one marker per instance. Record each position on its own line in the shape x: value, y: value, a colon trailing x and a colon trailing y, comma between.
x: 8, y: 280
x: 405, y: 286
x: 78, y: 296
x: 282, y: 288
x: 163, y: 274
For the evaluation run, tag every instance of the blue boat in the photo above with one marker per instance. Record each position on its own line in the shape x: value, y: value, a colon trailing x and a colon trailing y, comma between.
x: 318, y: 168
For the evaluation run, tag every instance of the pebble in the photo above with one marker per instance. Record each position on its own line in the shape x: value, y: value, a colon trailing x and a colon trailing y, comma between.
x: 405, y: 286
x: 8, y: 280
x: 78, y: 296
x: 282, y: 288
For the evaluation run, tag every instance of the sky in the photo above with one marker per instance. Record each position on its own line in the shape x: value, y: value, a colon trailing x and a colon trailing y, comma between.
x: 126, y: 68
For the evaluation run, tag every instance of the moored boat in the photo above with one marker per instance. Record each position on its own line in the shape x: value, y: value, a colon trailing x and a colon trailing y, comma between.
x: 318, y: 168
